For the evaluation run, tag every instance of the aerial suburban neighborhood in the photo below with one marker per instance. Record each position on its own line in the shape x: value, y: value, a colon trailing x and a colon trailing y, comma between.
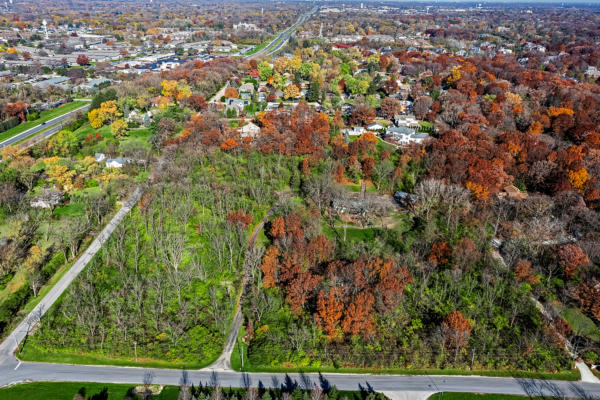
x: 299, y: 200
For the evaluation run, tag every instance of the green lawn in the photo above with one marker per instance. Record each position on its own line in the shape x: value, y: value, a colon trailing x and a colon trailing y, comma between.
x: 44, y: 116
x: 34, y: 353
x: 581, y: 324
x: 260, y: 46
x: 70, y: 210
x: 478, y: 396
x: 67, y: 390
x: 236, y: 359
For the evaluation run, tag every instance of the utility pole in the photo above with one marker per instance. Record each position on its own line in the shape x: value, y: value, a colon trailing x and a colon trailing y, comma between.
x: 135, y: 350
x: 472, y: 359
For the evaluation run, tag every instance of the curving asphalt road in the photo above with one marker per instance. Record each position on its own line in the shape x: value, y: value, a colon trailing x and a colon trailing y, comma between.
x: 32, y: 131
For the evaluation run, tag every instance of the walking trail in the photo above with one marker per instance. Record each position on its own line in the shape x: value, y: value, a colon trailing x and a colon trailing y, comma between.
x: 223, y: 363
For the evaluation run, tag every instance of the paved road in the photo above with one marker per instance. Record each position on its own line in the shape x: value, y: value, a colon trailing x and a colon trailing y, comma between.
x: 383, y: 383
x: 9, y: 346
x: 284, y: 36
x: 31, y: 131
x: 217, y: 97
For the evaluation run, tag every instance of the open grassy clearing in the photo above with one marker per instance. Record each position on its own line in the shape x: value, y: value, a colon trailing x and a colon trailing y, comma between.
x: 581, y: 324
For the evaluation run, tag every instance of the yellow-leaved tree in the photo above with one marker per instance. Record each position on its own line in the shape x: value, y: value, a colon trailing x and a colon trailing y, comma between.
x: 291, y: 92
x: 95, y: 120
x: 168, y: 88
x: 109, y: 111
x: 119, y: 128
x: 62, y: 176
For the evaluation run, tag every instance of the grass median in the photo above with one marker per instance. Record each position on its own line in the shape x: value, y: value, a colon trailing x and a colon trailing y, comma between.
x: 44, y: 117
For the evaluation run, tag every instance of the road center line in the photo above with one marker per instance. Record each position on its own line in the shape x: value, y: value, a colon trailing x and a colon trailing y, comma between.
x: 18, y: 365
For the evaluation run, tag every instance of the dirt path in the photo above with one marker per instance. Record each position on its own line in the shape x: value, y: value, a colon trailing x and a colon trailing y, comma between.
x: 223, y: 363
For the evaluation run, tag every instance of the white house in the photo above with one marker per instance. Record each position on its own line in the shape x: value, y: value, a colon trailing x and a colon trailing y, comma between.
x: 116, y: 162
x: 249, y: 130
x: 404, y: 136
x: 406, y: 120
x: 246, y: 87
x: 354, y: 131
x: 237, y: 104
x: 375, y: 127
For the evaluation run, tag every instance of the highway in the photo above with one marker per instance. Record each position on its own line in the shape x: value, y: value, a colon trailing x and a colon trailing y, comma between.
x: 278, y: 42
x: 50, y: 123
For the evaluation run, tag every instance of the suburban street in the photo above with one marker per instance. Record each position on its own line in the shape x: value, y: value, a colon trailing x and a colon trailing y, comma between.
x: 32, y: 131
x: 12, y: 371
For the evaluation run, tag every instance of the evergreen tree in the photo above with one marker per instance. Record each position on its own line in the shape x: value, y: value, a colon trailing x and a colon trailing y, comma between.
x: 313, y: 91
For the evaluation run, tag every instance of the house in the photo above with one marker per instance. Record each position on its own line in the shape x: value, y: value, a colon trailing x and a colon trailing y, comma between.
x: 246, y: 88
x: 99, y: 157
x: 117, y: 162
x: 354, y: 131
x: 93, y: 84
x: 406, y: 120
x: 245, y: 96
x: 48, y: 199
x: 375, y: 127
x: 592, y: 72
x: 57, y: 81
x: 403, y: 135
x: 254, y: 74
x: 237, y: 104
x: 250, y: 130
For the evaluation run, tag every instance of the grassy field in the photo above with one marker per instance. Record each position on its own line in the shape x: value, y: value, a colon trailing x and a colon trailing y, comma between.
x: 260, y: 46
x: 581, y: 324
x: 236, y: 358
x: 137, y: 134
x: 34, y: 353
x: 67, y: 390
x: 44, y: 116
x: 480, y: 396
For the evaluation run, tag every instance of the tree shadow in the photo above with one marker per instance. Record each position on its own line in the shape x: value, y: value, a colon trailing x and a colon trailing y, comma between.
x: 289, y: 384
x: 101, y: 395
x: 245, y: 381
x: 324, y: 383
x: 538, y: 388
x: 306, y: 382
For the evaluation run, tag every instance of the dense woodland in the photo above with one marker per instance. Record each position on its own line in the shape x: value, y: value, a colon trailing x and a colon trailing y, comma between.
x: 167, y: 280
